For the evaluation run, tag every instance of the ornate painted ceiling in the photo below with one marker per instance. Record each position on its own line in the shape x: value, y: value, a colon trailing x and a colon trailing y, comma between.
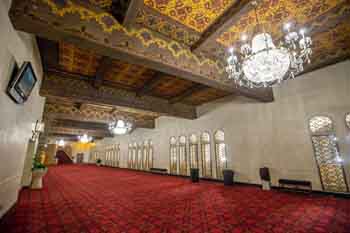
x: 172, y: 51
x: 195, y: 14
x: 273, y: 14
x: 327, y: 21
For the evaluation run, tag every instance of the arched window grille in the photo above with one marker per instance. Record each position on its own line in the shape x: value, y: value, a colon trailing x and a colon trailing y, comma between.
x: 220, y: 153
x: 205, y: 155
x: 139, y: 156
x: 150, y: 154
x: 145, y: 155
x: 327, y: 154
x: 193, y: 144
x: 182, y: 156
x: 134, y: 156
x: 347, y: 120
x: 173, y: 156
x: 130, y: 155
x: 117, y: 155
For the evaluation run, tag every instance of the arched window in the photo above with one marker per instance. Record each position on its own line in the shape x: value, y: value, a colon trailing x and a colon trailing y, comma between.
x: 173, y: 156
x: 327, y: 154
x: 145, y: 155
x: 347, y: 120
x: 139, y: 156
x: 182, y: 155
x: 134, y: 156
x: 220, y: 153
x: 205, y: 155
x: 130, y: 155
x: 193, y: 144
x: 150, y: 154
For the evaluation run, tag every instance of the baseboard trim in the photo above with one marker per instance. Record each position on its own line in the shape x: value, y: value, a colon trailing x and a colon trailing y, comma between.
x: 342, y: 195
x: 8, y: 212
x: 316, y: 192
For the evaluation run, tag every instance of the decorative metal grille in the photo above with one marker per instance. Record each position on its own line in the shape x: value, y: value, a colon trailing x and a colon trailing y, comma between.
x: 327, y: 154
x: 205, y: 152
x: 193, y: 151
x: 134, y: 156
x: 173, y: 156
x: 220, y: 153
x: 145, y: 155
x: 347, y: 120
x: 129, y: 155
x: 182, y: 155
x: 150, y: 154
x: 139, y: 156
x: 320, y: 125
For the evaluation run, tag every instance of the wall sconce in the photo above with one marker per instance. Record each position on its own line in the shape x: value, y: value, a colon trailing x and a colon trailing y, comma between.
x: 37, y: 128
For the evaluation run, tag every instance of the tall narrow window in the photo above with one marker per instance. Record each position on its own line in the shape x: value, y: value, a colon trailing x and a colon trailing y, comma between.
x: 134, y: 156
x: 193, y: 143
x: 182, y: 156
x: 150, y: 154
x: 173, y: 156
x: 145, y: 155
x: 347, y: 120
x: 220, y: 153
x: 327, y: 154
x: 139, y: 156
x: 130, y: 156
x: 205, y: 155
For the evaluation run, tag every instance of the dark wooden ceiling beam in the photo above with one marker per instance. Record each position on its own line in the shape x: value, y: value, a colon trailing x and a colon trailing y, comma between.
x: 79, y: 124
x: 222, y: 23
x: 55, y: 86
x: 150, y: 84
x: 105, y: 64
x: 131, y: 13
x: 81, y: 117
x: 190, y: 91
x: 105, y: 36
x: 77, y: 132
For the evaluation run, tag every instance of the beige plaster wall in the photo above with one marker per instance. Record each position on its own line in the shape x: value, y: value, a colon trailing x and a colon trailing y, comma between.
x: 16, y: 120
x: 264, y: 134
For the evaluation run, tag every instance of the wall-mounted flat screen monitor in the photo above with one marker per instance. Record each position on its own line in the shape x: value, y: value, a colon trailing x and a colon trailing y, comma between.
x: 22, y: 83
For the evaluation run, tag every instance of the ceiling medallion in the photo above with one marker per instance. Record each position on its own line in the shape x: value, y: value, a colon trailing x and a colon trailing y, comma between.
x: 120, y: 127
x: 262, y: 64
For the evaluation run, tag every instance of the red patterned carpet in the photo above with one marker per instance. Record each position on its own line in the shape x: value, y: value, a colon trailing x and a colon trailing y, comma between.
x: 91, y: 199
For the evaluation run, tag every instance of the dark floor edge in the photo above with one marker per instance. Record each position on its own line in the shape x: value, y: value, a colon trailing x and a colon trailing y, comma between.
x: 341, y: 195
x: 8, y: 212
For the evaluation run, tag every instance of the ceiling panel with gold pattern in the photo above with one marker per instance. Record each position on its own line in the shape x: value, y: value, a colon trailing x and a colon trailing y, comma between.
x: 195, y: 14
x: 76, y: 60
x: 149, y: 18
x: 123, y: 75
x: 104, y: 4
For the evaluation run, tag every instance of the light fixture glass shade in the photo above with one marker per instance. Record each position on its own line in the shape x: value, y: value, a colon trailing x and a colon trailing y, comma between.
x: 261, y: 42
x: 120, y: 127
x: 61, y: 143
x: 85, y: 138
x: 266, y: 66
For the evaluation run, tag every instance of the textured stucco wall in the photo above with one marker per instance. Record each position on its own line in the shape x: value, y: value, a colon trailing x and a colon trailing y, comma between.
x: 16, y: 120
x: 264, y: 134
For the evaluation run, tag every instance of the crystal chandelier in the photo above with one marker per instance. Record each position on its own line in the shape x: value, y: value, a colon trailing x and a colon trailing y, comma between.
x: 120, y: 127
x: 262, y: 64
x: 85, y: 138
